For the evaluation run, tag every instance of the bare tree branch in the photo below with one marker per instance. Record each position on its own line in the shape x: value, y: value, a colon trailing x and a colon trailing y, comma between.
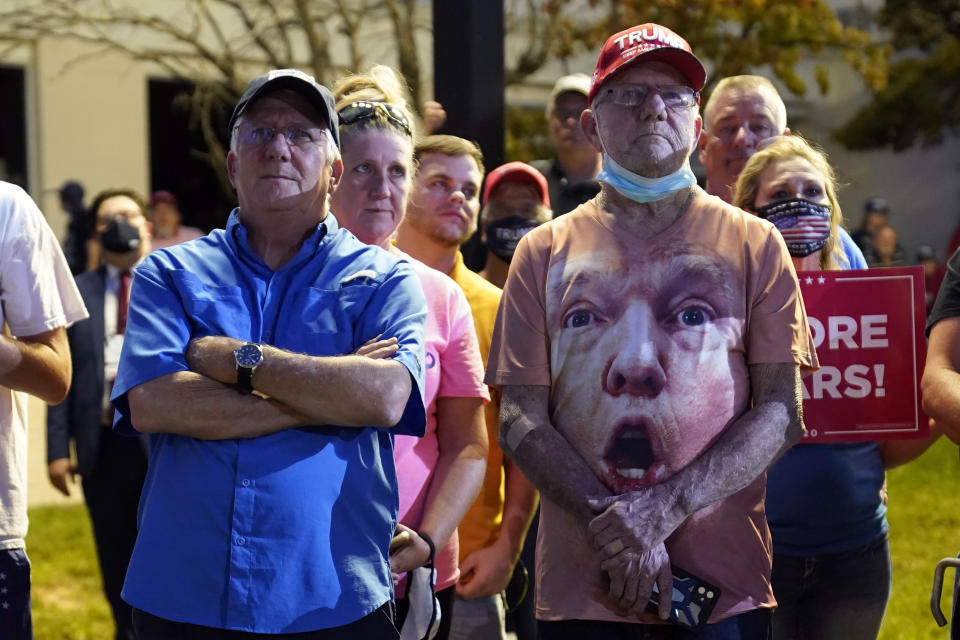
x: 320, y: 56
x: 402, y: 17
x: 351, y: 29
x: 255, y: 33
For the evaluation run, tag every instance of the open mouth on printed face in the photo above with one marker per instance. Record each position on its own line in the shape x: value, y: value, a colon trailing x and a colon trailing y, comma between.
x: 631, y: 459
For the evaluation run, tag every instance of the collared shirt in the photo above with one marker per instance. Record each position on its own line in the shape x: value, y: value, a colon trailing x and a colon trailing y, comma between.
x: 288, y: 532
x: 113, y: 341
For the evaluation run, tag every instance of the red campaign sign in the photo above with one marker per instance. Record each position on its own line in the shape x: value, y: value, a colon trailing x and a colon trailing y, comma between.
x: 868, y: 330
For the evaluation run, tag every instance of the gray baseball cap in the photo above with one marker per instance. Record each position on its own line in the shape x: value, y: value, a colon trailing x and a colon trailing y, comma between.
x: 294, y: 80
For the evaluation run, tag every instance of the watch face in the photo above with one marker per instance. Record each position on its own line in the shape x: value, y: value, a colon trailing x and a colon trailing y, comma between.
x: 249, y: 355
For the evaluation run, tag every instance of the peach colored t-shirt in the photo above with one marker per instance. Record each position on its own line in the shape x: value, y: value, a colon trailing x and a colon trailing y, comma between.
x: 645, y: 344
x: 453, y: 368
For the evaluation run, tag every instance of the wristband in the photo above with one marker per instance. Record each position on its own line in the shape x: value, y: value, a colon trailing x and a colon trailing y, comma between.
x: 432, y: 581
x: 429, y: 541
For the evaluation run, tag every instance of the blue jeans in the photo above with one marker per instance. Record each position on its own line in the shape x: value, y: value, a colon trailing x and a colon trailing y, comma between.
x: 753, y: 625
x: 837, y: 596
x: 15, y: 620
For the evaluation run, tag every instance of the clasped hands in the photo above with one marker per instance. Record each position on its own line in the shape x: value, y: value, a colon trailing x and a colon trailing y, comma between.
x: 628, y: 537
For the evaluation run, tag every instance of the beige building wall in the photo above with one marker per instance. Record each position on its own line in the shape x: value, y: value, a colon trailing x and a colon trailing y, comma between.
x: 39, y: 490
x: 88, y: 112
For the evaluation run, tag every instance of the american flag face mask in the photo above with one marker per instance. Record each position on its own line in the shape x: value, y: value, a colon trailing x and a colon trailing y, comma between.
x: 804, y: 225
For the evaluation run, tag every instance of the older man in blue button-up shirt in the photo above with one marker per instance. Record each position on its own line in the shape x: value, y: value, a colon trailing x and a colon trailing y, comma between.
x: 271, y: 497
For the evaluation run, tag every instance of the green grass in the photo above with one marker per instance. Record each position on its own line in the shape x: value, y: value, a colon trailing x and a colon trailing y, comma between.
x: 924, y: 527
x: 68, y: 603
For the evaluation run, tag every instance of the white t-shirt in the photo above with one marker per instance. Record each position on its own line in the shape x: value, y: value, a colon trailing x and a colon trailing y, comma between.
x: 37, y: 294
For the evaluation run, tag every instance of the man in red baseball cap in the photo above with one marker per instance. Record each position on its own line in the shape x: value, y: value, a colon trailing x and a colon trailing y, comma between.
x: 648, y: 347
x: 516, y: 199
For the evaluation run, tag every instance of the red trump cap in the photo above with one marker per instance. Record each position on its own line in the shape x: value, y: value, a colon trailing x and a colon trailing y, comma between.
x: 649, y: 43
x: 517, y: 172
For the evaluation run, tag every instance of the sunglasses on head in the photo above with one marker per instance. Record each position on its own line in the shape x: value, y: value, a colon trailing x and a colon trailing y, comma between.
x: 364, y: 109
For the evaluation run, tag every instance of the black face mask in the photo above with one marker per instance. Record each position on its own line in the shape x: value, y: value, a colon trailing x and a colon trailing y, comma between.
x: 120, y: 236
x: 804, y: 225
x: 503, y: 235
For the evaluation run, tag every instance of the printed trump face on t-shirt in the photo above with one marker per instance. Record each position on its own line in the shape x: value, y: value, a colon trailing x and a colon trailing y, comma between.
x: 646, y: 357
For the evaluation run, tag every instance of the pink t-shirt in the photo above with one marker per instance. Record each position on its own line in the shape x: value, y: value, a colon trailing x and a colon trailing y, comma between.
x: 182, y: 235
x: 645, y: 344
x: 453, y: 369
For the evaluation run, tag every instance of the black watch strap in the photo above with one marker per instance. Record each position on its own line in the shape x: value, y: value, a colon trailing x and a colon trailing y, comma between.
x: 245, y: 379
x: 248, y: 357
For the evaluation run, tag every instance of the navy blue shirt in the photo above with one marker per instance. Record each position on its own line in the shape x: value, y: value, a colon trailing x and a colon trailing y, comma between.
x: 825, y: 498
x: 287, y: 532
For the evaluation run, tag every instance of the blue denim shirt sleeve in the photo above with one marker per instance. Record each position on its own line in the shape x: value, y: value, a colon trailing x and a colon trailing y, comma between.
x: 155, y: 341
x: 399, y: 309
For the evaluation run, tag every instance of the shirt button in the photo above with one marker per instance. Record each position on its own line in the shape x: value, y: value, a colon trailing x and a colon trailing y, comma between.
x: 241, y: 541
x: 245, y: 482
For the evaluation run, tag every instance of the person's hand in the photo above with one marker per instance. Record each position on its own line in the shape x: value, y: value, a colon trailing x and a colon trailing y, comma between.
x: 434, y: 116
x: 377, y: 349
x: 407, y: 551
x: 62, y: 474
x: 212, y: 356
x: 632, y: 576
x: 628, y: 537
x: 637, y: 520
x: 486, y: 571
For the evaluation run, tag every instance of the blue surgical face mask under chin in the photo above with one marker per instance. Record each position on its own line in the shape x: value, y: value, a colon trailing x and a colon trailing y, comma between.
x: 640, y: 189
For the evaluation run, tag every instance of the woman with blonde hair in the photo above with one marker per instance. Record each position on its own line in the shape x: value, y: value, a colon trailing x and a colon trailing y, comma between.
x: 826, y: 503
x: 440, y: 474
x: 791, y: 162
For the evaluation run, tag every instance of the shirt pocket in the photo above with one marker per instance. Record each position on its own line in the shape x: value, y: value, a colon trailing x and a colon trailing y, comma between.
x: 334, y: 319
x: 213, y: 309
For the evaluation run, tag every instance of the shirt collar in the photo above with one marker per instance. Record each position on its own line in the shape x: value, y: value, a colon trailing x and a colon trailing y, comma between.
x: 236, y: 235
x: 114, y: 272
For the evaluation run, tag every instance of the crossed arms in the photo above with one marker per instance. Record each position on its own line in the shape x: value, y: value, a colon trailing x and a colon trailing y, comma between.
x: 352, y: 390
x: 628, y: 531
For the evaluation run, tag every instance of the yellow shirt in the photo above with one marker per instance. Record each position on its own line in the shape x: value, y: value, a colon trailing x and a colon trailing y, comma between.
x: 481, y: 525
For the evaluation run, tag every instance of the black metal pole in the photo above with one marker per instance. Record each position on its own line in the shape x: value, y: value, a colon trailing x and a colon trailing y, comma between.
x: 468, y: 82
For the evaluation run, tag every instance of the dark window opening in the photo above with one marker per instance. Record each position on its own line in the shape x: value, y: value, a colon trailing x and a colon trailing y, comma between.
x: 13, y: 126
x: 177, y: 150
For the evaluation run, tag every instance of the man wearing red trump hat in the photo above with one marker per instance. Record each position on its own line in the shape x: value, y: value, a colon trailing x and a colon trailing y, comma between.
x: 516, y: 199
x: 648, y: 347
